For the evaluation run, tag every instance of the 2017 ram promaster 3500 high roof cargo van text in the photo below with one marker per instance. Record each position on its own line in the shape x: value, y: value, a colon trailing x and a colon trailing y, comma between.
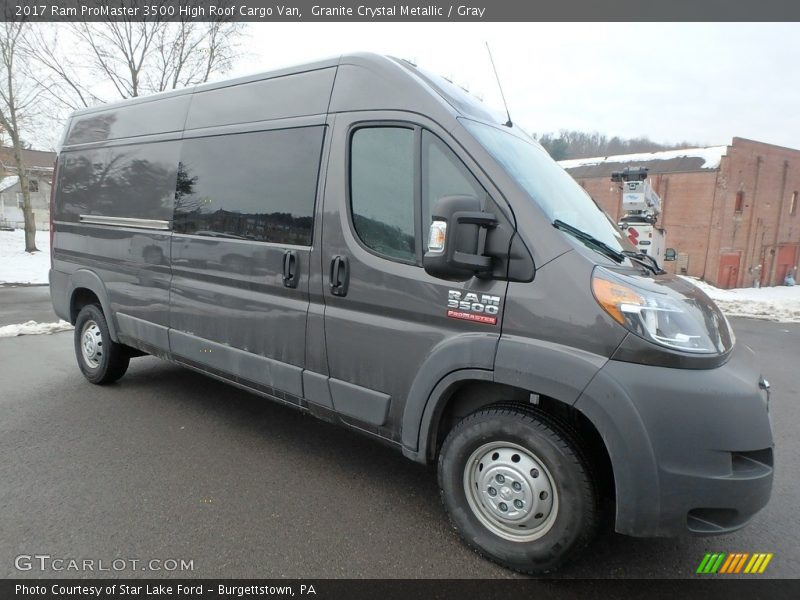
x: 361, y: 240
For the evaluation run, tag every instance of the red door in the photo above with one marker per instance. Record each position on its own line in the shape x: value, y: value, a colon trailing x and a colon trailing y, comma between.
x: 728, y: 270
x: 786, y: 260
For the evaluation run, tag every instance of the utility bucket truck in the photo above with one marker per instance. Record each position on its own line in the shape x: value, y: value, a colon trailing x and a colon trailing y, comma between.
x: 641, y: 207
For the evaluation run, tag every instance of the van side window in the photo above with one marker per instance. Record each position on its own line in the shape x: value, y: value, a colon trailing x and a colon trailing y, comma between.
x: 257, y: 186
x: 119, y: 181
x: 443, y: 174
x: 382, y: 190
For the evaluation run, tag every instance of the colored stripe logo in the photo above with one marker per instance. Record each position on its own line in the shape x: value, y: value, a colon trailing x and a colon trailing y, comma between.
x: 734, y: 563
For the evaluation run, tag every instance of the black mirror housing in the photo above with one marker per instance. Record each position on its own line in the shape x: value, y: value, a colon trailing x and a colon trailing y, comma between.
x: 460, y: 254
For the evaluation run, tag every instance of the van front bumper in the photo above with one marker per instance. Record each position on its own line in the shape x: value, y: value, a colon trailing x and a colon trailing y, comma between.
x: 692, y: 450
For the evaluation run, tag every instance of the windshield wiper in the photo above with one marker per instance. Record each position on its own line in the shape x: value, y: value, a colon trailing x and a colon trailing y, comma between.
x: 645, y: 260
x: 640, y: 258
x: 589, y: 240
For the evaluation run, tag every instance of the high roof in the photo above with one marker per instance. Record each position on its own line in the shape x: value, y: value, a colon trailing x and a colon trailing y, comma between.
x: 668, y: 161
x: 352, y: 82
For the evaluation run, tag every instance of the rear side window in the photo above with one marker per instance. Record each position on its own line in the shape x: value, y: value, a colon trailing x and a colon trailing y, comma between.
x: 256, y: 186
x: 120, y: 181
x: 382, y: 190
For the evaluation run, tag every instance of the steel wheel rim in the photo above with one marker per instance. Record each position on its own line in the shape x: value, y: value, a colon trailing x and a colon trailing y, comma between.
x: 511, y: 491
x: 91, y: 342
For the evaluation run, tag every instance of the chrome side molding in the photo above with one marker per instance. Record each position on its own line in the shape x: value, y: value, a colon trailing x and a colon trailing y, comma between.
x: 125, y: 222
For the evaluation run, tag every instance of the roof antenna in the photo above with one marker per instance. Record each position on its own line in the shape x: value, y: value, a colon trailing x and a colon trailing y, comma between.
x: 500, y: 87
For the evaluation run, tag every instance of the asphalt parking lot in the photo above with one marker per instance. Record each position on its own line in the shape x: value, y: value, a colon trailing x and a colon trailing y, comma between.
x: 169, y: 464
x: 19, y: 304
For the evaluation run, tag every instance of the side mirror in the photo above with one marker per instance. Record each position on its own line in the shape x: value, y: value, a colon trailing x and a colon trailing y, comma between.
x: 670, y: 254
x: 456, y: 241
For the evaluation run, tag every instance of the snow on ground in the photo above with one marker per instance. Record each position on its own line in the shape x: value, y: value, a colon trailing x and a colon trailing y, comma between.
x: 781, y: 303
x: 18, y: 266
x: 33, y: 328
x: 712, y: 155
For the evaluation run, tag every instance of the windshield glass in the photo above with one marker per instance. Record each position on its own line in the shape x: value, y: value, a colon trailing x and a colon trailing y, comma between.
x: 550, y: 186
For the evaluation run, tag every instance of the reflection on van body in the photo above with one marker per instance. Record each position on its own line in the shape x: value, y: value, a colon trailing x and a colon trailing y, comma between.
x: 257, y: 186
x: 214, y: 254
x: 119, y: 181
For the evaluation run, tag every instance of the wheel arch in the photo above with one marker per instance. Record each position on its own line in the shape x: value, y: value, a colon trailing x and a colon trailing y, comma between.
x: 464, y: 392
x: 86, y: 287
x: 526, y: 374
x: 517, y: 367
x: 454, y: 359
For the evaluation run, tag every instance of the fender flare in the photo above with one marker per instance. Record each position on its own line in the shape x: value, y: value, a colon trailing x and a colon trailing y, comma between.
x: 538, y: 366
x: 607, y: 405
x: 460, y: 354
x: 86, y: 279
x: 438, y: 399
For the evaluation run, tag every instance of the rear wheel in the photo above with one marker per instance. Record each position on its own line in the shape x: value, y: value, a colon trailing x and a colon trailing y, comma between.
x: 517, y: 489
x: 100, y: 359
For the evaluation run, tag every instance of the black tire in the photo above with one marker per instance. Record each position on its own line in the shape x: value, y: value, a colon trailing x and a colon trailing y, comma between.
x: 110, y: 360
x: 569, y: 524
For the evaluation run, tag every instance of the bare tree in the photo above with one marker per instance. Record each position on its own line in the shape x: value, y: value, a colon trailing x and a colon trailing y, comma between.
x: 18, y: 104
x: 130, y: 58
x: 188, y: 53
x: 61, y: 73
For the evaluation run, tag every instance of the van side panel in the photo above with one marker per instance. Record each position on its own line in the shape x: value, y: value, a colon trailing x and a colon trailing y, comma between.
x: 113, y: 215
x: 390, y: 87
x: 284, y: 97
x: 144, y: 116
x: 244, y: 210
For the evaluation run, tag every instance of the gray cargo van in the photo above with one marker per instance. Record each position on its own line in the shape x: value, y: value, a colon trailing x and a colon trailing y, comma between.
x: 364, y: 241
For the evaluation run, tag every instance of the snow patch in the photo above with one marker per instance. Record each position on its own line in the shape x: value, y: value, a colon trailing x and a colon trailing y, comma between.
x: 712, y: 156
x: 8, y: 182
x: 780, y: 303
x: 33, y: 328
x: 18, y: 266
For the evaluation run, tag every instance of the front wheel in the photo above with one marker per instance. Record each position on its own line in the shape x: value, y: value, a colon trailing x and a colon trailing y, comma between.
x: 100, y: 359
x: 517, y: 489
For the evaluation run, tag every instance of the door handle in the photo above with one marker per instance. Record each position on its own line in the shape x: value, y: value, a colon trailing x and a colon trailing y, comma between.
x: 339, y: 275
x: 290, y: 269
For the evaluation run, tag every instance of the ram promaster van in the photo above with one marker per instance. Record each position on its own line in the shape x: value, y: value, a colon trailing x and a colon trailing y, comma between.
x: 363, y: 241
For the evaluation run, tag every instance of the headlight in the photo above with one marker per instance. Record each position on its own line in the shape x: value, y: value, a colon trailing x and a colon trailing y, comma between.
x: 660, y: 314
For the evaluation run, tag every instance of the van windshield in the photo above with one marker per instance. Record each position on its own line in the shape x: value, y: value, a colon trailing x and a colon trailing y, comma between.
x: 550, y: 186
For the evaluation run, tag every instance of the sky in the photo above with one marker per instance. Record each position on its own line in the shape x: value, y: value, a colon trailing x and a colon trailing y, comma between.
x: 696, y: 82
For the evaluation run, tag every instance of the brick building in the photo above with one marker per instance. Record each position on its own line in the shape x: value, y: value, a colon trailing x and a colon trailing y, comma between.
x: 731, y: 212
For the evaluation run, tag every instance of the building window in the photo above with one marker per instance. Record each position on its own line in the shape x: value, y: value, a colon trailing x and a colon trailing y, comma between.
x: 793, y: 204
x: 33, y: 185
x: 739, y: 208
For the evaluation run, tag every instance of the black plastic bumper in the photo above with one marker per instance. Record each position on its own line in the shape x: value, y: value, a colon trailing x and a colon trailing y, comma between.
x: 59, y: 284
x: 692, y: 450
